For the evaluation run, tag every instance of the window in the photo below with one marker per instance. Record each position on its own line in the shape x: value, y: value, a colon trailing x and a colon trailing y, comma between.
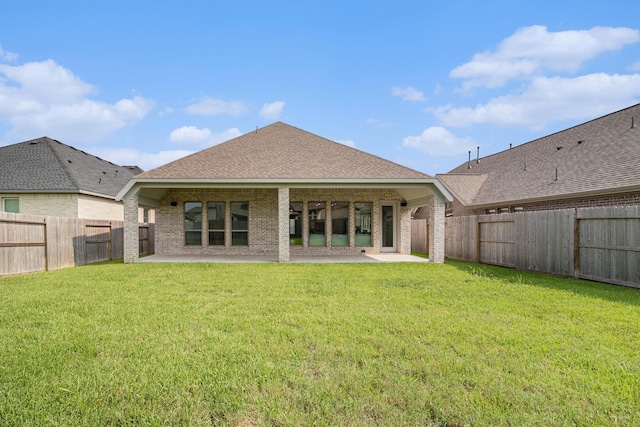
x: 11, y: 204
x: 317, y: 218
x: 240, y: 223
x: 363, y: 223
x: 340, y: 224
x: 295, y: 223
x: 145, y: 215
x: 193, y: 223
x: 215, y: 216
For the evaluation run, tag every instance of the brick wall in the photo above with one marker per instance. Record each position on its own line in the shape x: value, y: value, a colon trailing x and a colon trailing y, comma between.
x: 263, y: 220
x: 65, y: 205
x: 624, y: 199
x: 90, y: 207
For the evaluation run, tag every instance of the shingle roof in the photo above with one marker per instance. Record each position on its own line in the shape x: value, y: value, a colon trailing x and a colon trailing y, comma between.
x: 48, y: 165
x: 281, y: 151
x: 596, y: 157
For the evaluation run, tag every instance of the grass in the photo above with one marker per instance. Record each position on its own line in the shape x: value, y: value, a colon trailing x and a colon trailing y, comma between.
x: 309, y: 344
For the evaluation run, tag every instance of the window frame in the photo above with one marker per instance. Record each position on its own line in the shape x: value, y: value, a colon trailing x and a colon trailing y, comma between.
x: 335, y: 240
x: 237, y: 231
x: 296, y: 224
x: 4, y: 204
x: 222, y: 230
x: 193, y: 231
x: 369, y: 224
x: 314, y: 222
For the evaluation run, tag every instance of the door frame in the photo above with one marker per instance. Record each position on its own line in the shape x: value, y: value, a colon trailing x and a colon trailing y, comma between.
x: 394, y: 248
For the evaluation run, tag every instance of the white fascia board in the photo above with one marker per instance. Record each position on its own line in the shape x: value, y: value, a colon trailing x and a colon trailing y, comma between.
x: 136, y: 184
x: 582, y: 194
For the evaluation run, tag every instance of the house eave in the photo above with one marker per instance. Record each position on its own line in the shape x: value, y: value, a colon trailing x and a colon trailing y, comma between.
x: 63, y: 191
x: 555, y: 197
x: 436, y: 187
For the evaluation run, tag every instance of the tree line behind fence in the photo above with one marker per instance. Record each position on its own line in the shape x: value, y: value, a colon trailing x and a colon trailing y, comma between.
x: 30, y: 243
x: 600, y: 244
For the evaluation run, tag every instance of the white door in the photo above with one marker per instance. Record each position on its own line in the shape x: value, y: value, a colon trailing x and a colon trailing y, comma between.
x: 388, y: 227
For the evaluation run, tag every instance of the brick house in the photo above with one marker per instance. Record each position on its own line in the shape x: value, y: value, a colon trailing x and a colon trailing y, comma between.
x: 283, y: 191
x: 589, y: 165
x: 46, y: 177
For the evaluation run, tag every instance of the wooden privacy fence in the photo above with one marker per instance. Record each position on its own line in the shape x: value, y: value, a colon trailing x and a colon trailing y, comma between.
x: 420, y: 235
x: 600, y: 244
x: 30, y: 243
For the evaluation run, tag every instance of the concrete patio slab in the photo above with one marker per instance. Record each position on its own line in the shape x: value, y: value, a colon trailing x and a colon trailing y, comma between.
x: 325, y: 259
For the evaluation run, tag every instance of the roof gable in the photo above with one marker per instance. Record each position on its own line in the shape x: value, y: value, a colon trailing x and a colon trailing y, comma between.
x: 596, y: 157
x: 281, y: 151
x: 48, y: 165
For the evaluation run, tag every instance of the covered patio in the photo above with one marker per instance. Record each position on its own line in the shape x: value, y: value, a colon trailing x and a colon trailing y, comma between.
x: 255, y: 259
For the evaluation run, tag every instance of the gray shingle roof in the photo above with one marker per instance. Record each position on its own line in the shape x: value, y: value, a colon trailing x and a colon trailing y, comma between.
x: 48, y: 165
x: 597, y: 157
x: 281, y: 151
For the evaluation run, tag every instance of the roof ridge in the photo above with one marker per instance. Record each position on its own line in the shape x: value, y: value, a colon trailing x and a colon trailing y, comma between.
x: 352, y: 148
x: 65, y: 167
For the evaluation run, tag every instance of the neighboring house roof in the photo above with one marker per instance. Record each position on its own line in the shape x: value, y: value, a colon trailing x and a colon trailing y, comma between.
x: 595, y: 158
x: 47, y: 165
x: 281, y: 151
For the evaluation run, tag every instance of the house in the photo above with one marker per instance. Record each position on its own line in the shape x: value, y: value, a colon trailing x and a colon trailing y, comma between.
x: 589, y: 165
x: 283, y: 191
x: 46, y: 177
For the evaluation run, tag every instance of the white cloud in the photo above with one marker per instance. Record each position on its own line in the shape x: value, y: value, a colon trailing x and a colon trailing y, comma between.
x: 214, y: 107
x: 438, y: 141
x: 635, y: 66
x: 44, y: 98
x: 533, y: 49
x: 7, y: 56
x: 408, y: 93
x: 165, y: 112
x: 131, y: 157
x: 550, y: 99
x: 348, y: 142
x: 272, y: 111
x: 191, y: 135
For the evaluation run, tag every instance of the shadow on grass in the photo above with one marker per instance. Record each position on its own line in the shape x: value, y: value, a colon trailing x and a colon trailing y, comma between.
x: 609, y: 292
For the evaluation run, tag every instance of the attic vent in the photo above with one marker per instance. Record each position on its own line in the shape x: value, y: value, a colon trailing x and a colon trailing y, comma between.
x: 559, y: 148
x: 33, y: 143
x: 580, y: 141
x: 104, y: 173
x: 633, y: 125
x: 69, y: 161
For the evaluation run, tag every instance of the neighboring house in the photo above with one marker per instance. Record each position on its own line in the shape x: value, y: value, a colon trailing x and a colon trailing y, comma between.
x: 283, y: 191
x: 46, y: 177
x: 592, y: 164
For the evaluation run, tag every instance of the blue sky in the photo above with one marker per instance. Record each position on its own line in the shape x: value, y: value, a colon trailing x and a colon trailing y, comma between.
x: 419, y: 83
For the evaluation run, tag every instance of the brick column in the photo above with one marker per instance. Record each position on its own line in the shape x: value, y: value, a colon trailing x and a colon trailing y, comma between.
x: 405, y: 231
x: 436, y: 231
x: 131, y: 236
x: 283, y: 224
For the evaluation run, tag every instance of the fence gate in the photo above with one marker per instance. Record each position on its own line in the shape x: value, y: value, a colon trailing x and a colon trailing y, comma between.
x: 608, y: 240
x: 497, y: 240
x: 23, y: 246
x: 98, y: 240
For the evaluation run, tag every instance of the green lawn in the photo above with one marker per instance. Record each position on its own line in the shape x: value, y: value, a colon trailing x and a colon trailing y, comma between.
x: 310, y: 344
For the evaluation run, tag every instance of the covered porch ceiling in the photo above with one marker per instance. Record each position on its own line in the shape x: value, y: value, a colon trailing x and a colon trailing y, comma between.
x: 415, y: 192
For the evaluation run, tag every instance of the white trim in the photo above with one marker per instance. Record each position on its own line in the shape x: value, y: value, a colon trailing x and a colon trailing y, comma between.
x: 436, y: 187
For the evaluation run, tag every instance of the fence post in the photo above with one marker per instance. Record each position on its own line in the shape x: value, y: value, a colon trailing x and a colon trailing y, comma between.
x: 576, y: 244
x: 478, y: 245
